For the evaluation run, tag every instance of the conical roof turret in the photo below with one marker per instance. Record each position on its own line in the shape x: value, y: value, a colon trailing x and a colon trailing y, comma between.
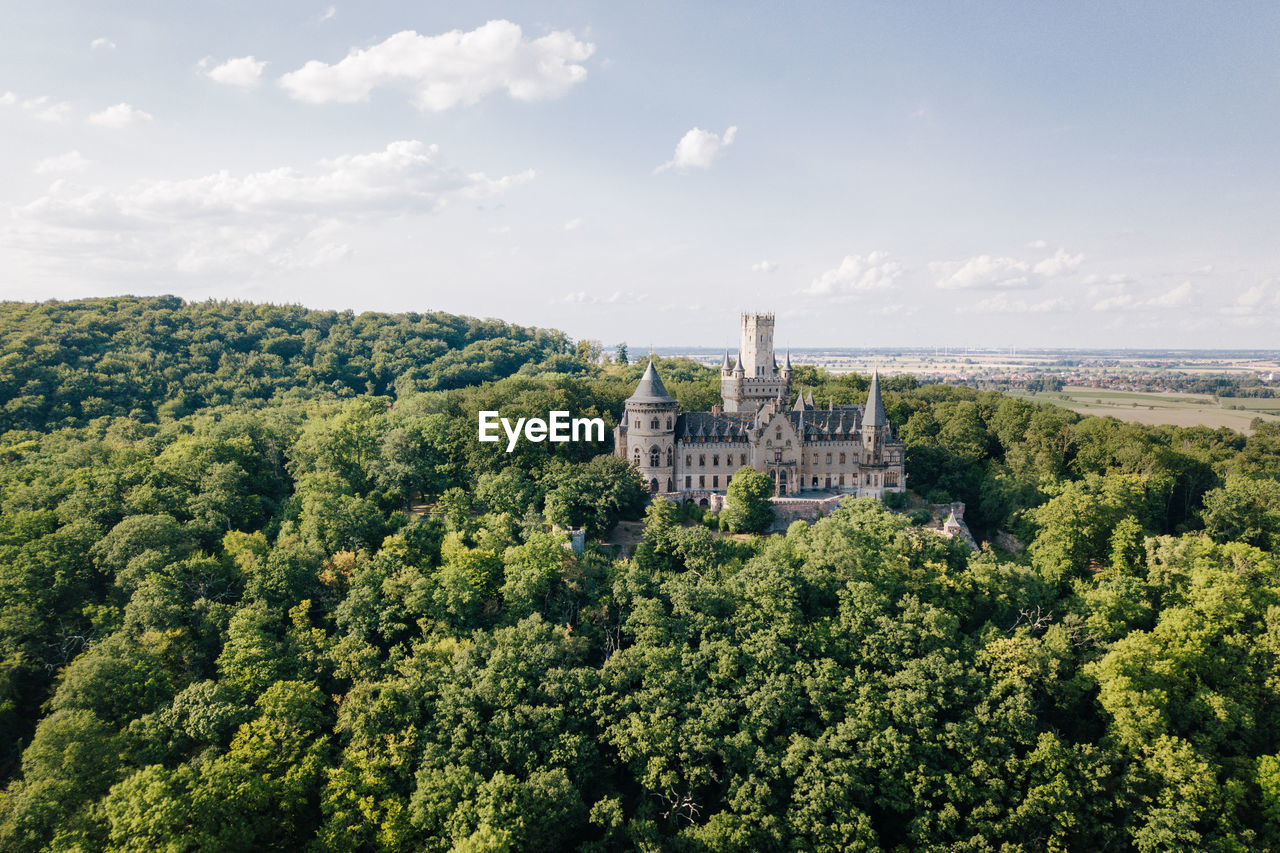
x: 786, y: 367
x: 724, y: 365
x: 738, y: 368
x: 874, y: 415
x: 651, y: 389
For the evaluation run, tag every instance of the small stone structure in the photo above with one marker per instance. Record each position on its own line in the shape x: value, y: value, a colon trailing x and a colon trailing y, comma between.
x: 954, y: 525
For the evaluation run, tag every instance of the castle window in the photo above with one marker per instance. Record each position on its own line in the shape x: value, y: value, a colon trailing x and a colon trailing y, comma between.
x: 637, y: 457
x: 668, y: 459
x: 842, y: 479
x: 688, y: 482
x: 653, y: 424
x: 744, y: 459
x: 668, y: 423
x: 815, y: 459
x: 842, y: 461
x: 702, y: 482
x: 688, y: 459
x: 828, y: 458
x: 815, y: 482
x: 715, y: 461
x: 655, y: 457
x: 779, y: 434
x: 702, y: 459
x: 715, y: 482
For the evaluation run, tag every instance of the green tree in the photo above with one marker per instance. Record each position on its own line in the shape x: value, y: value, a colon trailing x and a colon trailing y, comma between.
x: 748, y: 508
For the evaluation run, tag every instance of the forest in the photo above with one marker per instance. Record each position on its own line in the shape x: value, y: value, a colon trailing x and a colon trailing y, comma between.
x: 262, y: 589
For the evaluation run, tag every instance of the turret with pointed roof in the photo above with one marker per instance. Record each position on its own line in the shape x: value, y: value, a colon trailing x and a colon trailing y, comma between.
x: 874, y: 414
x: 651, y: 389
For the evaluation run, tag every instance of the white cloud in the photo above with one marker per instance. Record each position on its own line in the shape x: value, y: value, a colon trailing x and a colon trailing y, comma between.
x: 448, y: 70
x: 1119, y: 302
x: 697, y: 149
x: 857, y: 274
x: 573, y: 224
x: 618, y: 297
x: 1176, y: 297
x: 1122, y: 300
x: 764, y: 266
x: 1057, y: 264
x: 982, y: 272
x: 121, y: 115
x: 42, y: 108
x: 1038, y: 244
x: 72, y: 161
x: 284, y: 218
x: 244, y: 71
x: 102, y: 44
x: 1002, y: 303
x: 992, y: 272
x: 328, y: 14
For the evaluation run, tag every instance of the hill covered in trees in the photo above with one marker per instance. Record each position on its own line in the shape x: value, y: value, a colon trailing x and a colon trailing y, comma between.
x: 228, y: 624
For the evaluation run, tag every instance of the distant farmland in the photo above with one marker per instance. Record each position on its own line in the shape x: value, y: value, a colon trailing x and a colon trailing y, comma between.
x: 1162, y: 408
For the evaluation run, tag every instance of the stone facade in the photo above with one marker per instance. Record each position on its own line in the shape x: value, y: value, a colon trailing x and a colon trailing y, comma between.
x: 843, y: 450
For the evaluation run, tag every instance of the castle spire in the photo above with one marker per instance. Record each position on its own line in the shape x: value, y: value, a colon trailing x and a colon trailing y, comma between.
x: 875, y: 416
x: 724, y: 365
x: 738, y: 370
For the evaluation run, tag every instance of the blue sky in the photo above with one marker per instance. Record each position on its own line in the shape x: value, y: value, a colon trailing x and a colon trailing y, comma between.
x: 879, y: 174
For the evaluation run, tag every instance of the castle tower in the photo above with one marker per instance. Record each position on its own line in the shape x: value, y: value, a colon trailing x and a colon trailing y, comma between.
x: 755, y: 379
x: 757, y: 345
x: 875, y: 423
x: 647, y: 438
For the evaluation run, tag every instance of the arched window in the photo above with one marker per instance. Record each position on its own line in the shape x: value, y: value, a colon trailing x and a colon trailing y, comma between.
x: 655, y: 457
x: 669, y: 459
x: 653, y: 486
x: 668, y: 423
x: 841, y: 458
x: 669, y: 489
x: 653, y: 424
x: 636, y: 457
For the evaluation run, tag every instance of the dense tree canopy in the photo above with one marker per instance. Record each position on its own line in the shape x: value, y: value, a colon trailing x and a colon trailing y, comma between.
x: 261, y: 588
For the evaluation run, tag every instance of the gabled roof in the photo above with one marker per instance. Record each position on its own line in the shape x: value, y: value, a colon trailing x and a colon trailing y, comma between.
x: 651, y: 389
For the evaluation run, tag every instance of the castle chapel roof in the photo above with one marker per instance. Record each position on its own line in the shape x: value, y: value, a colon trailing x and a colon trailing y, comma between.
x: 651, y: 389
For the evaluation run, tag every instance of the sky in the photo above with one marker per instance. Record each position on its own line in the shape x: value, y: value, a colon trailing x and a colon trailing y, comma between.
x: 877, y: 174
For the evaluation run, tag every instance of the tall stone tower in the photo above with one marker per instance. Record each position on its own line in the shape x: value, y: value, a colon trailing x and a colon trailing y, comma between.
x: 650, y: 431
x: 755, y: 379
x: 875, y: 423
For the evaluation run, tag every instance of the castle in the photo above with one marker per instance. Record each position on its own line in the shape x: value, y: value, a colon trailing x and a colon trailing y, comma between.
x: 801, y: 448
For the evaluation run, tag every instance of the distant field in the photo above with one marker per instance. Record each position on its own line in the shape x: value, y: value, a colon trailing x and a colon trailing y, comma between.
x: 1164, y: 408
